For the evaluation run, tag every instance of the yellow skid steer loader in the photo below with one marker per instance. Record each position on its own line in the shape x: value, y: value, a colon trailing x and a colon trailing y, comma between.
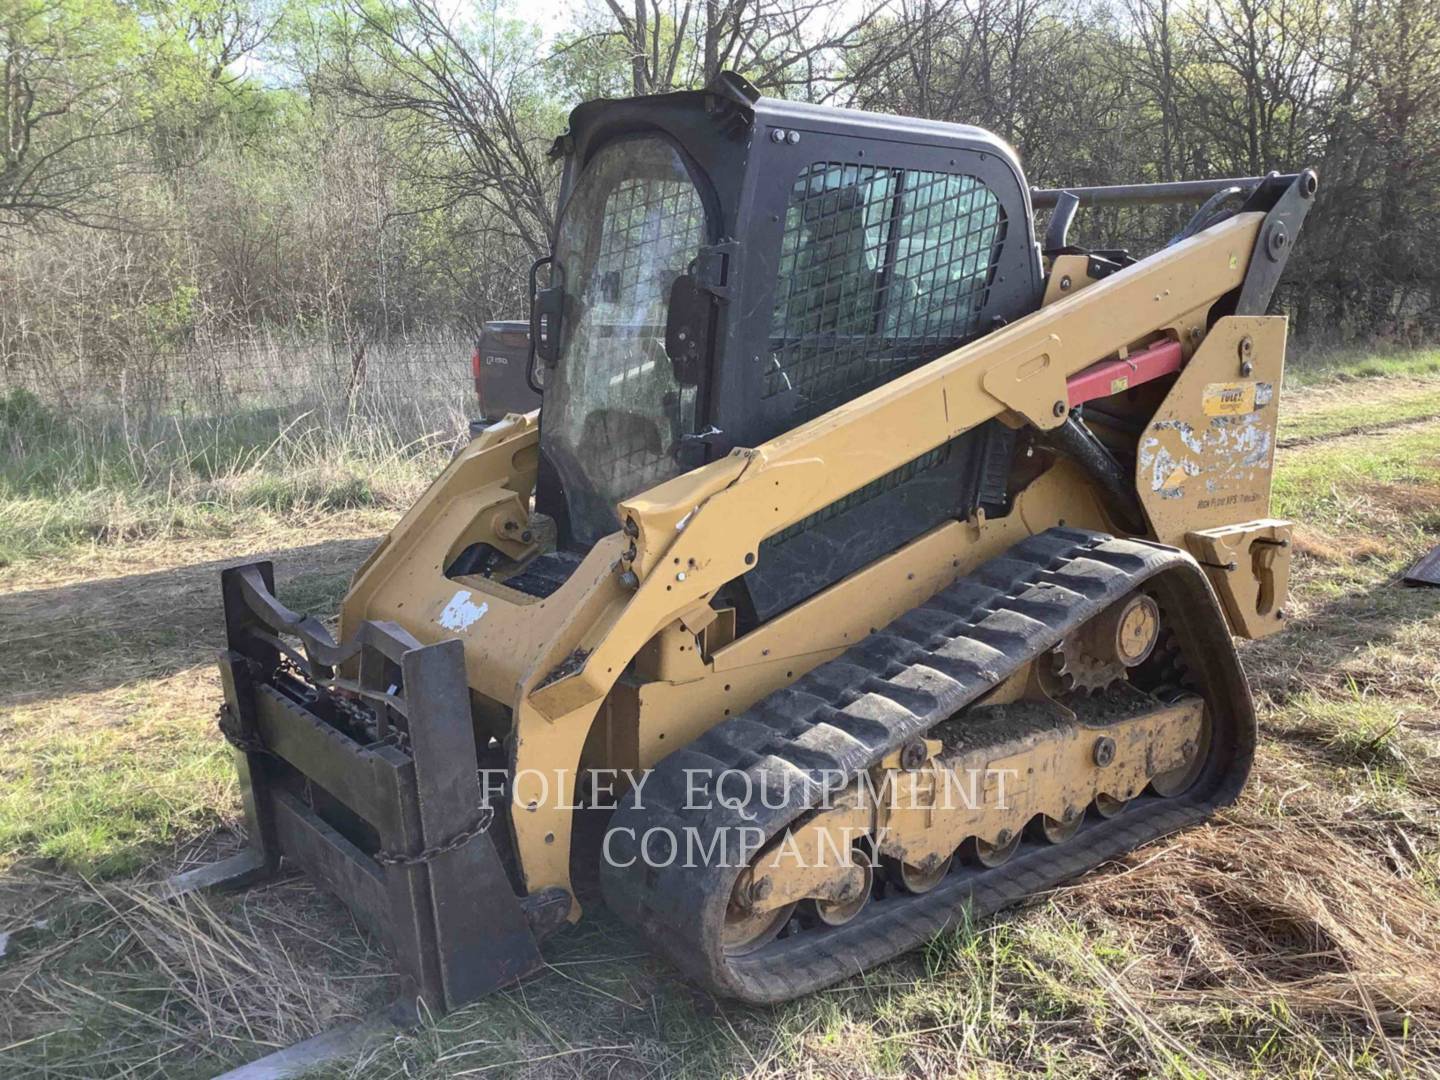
x: 870, y: 560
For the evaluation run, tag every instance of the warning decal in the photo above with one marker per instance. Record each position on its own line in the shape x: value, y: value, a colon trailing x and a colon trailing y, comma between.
x: 1229, y: 399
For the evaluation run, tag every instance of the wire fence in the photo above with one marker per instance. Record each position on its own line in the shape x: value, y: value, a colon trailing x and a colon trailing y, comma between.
x: 405, y: 387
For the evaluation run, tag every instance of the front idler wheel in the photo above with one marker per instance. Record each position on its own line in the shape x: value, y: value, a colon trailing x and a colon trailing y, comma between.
x: 1180, y: 779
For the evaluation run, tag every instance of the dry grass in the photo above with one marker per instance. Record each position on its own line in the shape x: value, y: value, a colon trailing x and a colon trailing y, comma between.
x: 1293, y: 922
x: 153, y: 609
x: 165, y: 987
x: 1313, y: 544
x: 107, y: 689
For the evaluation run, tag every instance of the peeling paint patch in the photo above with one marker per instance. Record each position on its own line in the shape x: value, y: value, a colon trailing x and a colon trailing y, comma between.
x: 1185, y: 431
x: 1210, y: 448
x: 1230, y: 452
x: 462, y: 612
x: 1167, y: 473
x: 1244, y: 437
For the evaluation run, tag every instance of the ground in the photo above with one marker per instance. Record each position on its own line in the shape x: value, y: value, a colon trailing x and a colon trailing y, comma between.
x: 1297, y: 934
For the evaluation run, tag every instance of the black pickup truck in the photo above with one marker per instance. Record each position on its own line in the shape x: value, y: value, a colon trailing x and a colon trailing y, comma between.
x: 502, y: 353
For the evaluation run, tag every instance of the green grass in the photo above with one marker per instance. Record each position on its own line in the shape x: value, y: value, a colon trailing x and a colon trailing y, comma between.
x: 1335, y: 485
x: 1336, y: 392
x: 1419, y: 403
x: 103, y: 799
x: 1312, y: 365
x: 101, y: 783
x: 1355, y: 729
x: 67, y: 481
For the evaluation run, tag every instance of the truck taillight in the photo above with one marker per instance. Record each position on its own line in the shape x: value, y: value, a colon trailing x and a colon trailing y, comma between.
x: 475, y: 364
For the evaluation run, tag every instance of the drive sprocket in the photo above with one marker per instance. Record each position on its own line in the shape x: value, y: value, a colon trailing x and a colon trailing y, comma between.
x: 1081, y: 672
x: 1098, y: 655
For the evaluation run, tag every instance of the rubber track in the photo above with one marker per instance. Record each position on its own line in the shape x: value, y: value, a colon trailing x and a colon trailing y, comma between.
x: 846, y: 714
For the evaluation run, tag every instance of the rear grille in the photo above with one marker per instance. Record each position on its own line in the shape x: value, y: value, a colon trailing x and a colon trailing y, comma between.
x: 545, y: 574
x: 859, y: 496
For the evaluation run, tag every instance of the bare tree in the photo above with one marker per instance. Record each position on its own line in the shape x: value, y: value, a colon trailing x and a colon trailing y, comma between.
x: 782, y: 46
x: 59, y: 108
x: 1154, y: 61
x: 1266, y: 55
x: 468, y: 110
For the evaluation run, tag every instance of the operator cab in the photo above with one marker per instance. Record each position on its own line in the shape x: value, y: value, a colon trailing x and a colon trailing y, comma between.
x: 728, y: 266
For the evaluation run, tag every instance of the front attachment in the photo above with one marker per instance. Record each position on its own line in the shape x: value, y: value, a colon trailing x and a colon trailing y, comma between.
x: 371, y: 785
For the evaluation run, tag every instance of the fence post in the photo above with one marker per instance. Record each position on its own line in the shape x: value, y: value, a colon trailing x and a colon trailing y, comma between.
x: 357, y: 376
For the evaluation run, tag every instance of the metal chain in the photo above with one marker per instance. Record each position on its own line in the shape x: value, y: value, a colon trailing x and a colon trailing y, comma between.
x: 364, y: 717
x: 459, y: 840
x: 230, y: 728
x: 361, y: 716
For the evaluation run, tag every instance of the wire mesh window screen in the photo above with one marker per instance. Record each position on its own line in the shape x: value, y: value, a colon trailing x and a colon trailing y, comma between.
x: 632, y: 227
x: 881, y: 269
x: 651, y: 231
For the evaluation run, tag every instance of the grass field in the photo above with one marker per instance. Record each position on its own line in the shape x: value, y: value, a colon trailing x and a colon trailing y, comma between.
x: 1299, y: 934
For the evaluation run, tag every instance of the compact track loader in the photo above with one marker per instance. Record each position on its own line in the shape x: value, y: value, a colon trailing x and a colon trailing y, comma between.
x: 870, y: 561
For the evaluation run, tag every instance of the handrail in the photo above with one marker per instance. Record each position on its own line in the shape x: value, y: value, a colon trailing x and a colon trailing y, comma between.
x: 1140, y: 194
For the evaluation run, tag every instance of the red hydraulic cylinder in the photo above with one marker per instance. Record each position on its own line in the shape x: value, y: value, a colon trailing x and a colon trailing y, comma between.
x: 1112, y: 376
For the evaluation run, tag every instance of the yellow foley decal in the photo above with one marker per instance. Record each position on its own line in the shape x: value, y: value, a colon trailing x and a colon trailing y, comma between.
x: 1229, y: 398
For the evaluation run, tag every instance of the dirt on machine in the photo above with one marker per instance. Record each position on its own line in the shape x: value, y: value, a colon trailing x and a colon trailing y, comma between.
x: 872, y: 561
